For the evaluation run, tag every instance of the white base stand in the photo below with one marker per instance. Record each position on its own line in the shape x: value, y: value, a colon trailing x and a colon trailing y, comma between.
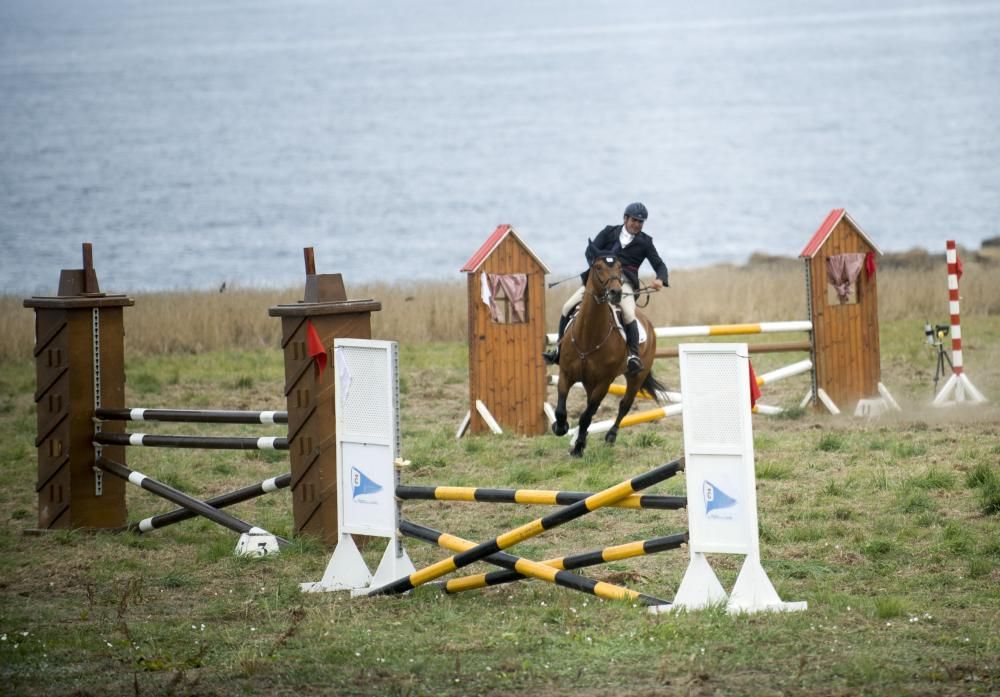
x: 488, y: 417
x: 887, y: 396
x: 958, y: 389
x: 395, y: 564
x: 256, y: 544
x: 753, y: 592
x: 550, y: 413
x: 823, y: 398
x: 464, y: 426
x: 345, y: 571
x: 700, y: 587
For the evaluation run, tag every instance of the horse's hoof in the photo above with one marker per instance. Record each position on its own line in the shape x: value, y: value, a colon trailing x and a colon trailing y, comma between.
x: 610, y: 437
x: 560, y: 429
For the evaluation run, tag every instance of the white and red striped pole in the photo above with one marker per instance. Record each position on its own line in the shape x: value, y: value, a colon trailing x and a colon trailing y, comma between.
x: 958, y: 385
x: 956, y: 324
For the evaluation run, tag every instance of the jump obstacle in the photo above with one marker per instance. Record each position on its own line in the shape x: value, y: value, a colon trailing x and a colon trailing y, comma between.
x: 720, y: 494
x: 79, y: 356
x: 958, y: 387
x: 842, y: 331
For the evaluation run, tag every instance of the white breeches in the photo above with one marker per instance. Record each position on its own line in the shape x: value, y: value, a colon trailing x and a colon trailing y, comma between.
x: 628, y: 302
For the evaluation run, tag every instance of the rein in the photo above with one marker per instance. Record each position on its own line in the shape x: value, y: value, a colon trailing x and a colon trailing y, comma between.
x: 584, y: 354
x: 602, y: 298
x: 648, y: 292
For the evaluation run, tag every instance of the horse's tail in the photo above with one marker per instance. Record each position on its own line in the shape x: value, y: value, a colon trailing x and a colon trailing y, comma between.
x: 653, y: 387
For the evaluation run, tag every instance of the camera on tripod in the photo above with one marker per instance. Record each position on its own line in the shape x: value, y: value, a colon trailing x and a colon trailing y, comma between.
x: 936, y: 333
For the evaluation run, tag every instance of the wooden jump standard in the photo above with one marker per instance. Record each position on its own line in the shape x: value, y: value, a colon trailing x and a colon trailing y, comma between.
x: 79, y: 357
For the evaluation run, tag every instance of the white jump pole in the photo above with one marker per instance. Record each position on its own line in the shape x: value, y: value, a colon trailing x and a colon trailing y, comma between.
x: 724, y: 329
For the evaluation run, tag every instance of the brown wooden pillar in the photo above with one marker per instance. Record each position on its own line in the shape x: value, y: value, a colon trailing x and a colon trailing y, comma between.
x: 310, y: 396
x: 80, y: 365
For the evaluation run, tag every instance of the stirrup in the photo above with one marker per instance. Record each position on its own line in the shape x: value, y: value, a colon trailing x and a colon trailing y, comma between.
x: 634, y: 365
x: 551, y: 357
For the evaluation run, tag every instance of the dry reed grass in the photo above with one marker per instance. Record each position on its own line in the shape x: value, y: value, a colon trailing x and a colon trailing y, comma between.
x: 193, y: 322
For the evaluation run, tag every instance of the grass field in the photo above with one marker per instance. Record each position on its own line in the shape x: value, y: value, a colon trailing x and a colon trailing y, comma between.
x: 889, y: 528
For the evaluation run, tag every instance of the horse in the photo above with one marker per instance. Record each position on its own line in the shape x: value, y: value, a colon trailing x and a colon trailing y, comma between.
x: 593, y: 351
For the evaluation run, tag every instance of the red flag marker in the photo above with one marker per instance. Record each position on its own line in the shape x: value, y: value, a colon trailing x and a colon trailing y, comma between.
x: 754, y: 387
x: 315, y: 348
x: 870, y: 267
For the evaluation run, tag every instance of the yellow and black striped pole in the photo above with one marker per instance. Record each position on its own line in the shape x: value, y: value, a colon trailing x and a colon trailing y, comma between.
x: 629, y: 550
x: 542, y: 497
x: 533, y: 569
x: 508, y: 539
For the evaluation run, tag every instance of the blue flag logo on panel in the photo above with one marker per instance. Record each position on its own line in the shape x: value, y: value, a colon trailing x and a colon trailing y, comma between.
x: 716, y: 498
x: 361, y: 485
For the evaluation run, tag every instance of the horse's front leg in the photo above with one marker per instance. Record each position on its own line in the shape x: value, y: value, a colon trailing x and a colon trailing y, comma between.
x: 581, y: 434
x: 624, y: 406
x: 594, y: 399
x: 560, y: 426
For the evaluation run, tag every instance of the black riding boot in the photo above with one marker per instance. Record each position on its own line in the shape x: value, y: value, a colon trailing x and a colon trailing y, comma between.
x: 552, y: 357
x: 632, y: 339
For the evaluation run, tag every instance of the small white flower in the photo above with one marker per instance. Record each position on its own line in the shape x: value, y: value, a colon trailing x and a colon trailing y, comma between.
x: 357, y: 653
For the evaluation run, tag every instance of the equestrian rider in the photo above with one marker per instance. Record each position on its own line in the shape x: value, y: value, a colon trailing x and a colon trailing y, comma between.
x: 632, y: 246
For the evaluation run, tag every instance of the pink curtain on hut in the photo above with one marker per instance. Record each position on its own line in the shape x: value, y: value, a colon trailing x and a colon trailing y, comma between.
x: 842, y: 273
x: 512, y: 286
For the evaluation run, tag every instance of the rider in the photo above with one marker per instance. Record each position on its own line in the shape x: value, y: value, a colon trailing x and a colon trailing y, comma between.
x: 632, y: 246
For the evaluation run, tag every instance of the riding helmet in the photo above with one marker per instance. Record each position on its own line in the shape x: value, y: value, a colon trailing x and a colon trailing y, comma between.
x: 636, y: 210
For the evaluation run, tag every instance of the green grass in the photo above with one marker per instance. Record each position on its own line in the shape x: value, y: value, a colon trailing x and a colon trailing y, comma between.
x: 888, y: 528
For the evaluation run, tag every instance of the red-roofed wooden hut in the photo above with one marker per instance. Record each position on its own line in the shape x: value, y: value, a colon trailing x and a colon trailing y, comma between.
x: 843, y: 307
x: 506, y: 286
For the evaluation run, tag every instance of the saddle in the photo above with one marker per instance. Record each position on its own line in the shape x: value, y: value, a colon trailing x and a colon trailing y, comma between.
x: 616, y: 312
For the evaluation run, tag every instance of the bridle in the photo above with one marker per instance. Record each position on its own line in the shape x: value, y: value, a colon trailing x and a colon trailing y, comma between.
x: 601, y: 298
x: 604, y: 296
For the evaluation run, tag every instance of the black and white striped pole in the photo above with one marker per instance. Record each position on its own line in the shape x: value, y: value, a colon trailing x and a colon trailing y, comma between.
x: 254, y: 541
x: 207, y: 442
x: 230, y: 499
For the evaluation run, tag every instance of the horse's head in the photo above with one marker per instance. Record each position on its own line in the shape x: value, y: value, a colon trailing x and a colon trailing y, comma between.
x: 605, y: 281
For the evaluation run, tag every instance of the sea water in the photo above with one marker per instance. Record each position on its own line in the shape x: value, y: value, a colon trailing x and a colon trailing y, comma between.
x: 200, y: 141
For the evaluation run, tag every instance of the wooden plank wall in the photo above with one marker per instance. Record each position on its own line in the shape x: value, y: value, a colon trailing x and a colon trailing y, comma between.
x: 506, y: 369
x: 847, y: 358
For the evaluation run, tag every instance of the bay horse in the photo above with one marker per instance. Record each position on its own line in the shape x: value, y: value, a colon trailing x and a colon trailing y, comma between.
x: 593, y: 351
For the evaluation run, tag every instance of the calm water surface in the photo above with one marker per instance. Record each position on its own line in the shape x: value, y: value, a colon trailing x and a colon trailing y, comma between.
x: 198, y: 141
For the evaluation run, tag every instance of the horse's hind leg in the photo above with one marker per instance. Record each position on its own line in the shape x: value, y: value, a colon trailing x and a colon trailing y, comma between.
x: 581, y: 433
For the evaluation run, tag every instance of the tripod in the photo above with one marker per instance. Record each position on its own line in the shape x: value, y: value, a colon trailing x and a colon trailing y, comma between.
x: 942, y: 358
